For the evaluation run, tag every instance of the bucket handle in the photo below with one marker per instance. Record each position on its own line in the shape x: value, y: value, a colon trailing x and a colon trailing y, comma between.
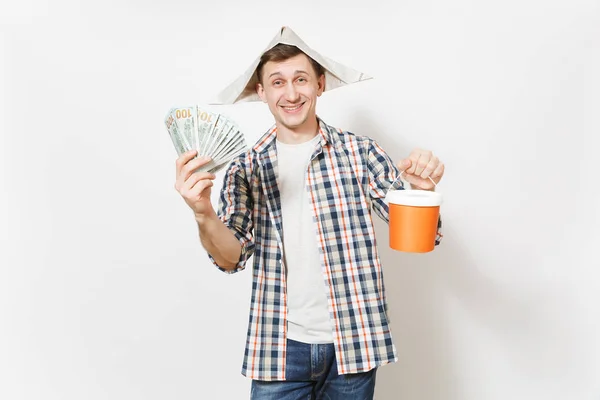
x: 400, y: 176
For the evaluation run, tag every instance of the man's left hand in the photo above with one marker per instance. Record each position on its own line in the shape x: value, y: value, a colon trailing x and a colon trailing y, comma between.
x: 419, y: 167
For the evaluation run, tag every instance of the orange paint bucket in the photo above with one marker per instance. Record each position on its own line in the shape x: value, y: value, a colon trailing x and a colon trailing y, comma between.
x: 414, y: 218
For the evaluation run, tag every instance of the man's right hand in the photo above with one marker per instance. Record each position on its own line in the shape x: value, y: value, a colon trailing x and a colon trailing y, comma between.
x: 194, y: 187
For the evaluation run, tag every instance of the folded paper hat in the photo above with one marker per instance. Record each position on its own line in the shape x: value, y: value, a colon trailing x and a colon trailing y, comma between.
x: 243, y: 89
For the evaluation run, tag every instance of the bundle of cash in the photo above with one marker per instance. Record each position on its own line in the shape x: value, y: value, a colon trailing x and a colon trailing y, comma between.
x: 212, y: 134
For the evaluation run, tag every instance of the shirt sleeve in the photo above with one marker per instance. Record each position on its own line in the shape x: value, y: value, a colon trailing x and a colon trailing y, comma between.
x: 235, y: 211
x: 384, y: 176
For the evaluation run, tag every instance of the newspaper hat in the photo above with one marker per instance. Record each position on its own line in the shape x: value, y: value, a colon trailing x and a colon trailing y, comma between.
x: 243, y: 89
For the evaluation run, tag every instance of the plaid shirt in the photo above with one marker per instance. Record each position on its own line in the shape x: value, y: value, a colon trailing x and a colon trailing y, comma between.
x: 346, y: 177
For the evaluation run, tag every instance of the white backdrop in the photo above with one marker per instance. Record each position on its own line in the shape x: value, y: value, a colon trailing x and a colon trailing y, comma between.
x: 105, y: 291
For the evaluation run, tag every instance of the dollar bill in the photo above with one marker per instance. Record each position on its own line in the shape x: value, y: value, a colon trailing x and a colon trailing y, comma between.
x: 179, y: 141
x: 230, y: 146
x: 206, y: 125
x: 222, y: 128
x: 186, y: 121
x: 212, y: 134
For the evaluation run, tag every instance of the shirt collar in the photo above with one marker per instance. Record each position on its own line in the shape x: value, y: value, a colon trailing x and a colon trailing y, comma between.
x: 268, y: 139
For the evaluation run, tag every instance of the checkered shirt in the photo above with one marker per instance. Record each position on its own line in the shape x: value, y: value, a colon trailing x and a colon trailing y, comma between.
x: 347, y: 177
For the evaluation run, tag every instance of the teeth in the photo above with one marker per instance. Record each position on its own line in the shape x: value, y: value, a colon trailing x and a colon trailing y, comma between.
x: 293, y: 108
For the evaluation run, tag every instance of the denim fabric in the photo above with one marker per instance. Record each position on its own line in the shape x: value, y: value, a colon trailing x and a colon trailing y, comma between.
x: 311, y: 374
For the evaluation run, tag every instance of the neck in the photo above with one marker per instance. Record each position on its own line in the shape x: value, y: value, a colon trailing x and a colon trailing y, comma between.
x: 300, y: 134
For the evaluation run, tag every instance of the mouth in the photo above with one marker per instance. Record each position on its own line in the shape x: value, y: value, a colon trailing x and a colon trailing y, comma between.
x: 292, y: 109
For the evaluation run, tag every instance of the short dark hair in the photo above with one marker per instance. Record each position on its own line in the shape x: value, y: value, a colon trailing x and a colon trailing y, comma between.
x: 282, y: 52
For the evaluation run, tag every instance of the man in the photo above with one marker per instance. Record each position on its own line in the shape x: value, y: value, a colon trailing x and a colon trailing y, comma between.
x: 299, y: 201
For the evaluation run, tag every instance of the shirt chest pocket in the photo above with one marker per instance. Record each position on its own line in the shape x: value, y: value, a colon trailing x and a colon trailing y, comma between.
x: 351, y: 179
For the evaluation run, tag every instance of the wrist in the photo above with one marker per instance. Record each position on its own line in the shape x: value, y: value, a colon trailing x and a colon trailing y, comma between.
x: 205, y: 217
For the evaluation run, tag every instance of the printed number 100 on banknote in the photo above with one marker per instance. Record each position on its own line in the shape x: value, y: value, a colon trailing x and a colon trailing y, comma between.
x: 211, y: 134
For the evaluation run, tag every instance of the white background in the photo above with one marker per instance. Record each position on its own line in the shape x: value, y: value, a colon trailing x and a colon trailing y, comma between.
x: 105, y: 292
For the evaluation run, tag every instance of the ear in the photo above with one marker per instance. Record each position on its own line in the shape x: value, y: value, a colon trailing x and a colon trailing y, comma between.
x: 260, y: 90
x: 321, y: 85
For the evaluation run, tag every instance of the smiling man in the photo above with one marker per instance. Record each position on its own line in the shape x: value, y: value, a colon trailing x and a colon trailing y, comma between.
x: 290, y: 82
x: 300, y: 202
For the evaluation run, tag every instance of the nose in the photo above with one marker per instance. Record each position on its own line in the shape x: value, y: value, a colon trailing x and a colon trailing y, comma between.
x: 291, y: 94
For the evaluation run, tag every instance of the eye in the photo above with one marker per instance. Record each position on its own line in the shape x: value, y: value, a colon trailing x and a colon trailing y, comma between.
x: 302, y: 80
x: 277, y: 82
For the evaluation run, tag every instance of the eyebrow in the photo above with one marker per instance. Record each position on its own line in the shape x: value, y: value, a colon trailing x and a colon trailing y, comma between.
x: 298, y: 71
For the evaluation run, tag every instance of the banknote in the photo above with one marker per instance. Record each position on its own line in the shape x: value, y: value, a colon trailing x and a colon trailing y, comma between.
x: 206, y: 125
x: 221, y: 130
x: 210, y: 133
x: 179, y: 141
x: 186, y: 121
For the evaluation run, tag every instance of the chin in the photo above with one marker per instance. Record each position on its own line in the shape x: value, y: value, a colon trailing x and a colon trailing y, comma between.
x: 293, y: 121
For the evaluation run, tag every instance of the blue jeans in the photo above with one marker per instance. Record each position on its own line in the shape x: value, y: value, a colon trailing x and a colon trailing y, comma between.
x: 311, y: 374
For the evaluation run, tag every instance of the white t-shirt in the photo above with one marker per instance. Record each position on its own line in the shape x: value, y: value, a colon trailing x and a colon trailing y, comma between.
x: 308, y: 313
